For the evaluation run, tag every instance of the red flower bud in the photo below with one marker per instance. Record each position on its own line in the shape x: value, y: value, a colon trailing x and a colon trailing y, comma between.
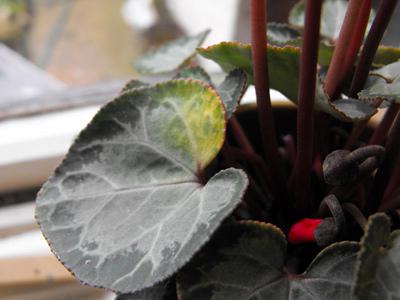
x: 303, y: 231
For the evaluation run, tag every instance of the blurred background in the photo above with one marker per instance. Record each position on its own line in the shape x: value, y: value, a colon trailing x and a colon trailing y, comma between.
x: 60, y: 60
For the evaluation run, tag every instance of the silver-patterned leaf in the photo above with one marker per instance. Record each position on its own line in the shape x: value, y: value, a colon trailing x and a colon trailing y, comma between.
x: 126, y: 209
x: 171, y: 56
x: 280, y: 33
x: 246, y: 262
x: 383, y: 83
x: 232, y: 89
x: 284, y: 67
x: 378, y: 266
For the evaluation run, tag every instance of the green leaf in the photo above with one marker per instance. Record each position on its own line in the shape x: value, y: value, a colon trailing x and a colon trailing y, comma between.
x: 284, y: 67
x: 194, y: 73
x: 246, y: 261
x: 283, y: 63
x: 325, y: 50
x: 170, y: 56
x: 385, y: 84
x: 134, y: 84
x: 333, y: 13
x: 281, y: 33
x: 126, y: 208
x: 232, y: 89
x: 378, y: 266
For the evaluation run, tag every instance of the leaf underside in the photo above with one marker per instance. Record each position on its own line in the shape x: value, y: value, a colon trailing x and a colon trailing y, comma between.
x: 378, y: 266
x: 171, y: 56
x: 281, y: 33
x: 246, y: 261
x: 231, y: 90
x: 125, y: 209
x: 384, y: 83
x: 284, y: 66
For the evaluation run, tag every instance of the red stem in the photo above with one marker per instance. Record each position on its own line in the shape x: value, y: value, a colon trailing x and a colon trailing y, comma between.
x: 381, y: 131
x: 374, y: 37
x: 334, y: 76
x: 371, y: 45
x: 305, y: 111
x: 356, y: 132
x: 357, y: 39
x: 240, y: 136
x: 261, y: 80
x: 386, y: 169
x: 257, y: 164
x: 359, y: 128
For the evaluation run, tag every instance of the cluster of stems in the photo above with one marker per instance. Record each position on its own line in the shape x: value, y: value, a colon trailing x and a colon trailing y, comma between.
x: 352, y: 58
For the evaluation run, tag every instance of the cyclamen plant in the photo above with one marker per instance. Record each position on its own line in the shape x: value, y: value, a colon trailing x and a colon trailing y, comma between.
x: 167, y: 194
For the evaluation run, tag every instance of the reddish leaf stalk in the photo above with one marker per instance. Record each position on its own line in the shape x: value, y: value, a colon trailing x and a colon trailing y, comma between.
x: 258, y: 165
x: 305, y: 111
x: 386, y: 169
x: 358, y: 36
x: 359, y: 128
x: 261, y: 80
x: 381, y: 131
x: 357, y: 40
x: 374, y: 37
x: 334, y: 76
x: 240, y: 136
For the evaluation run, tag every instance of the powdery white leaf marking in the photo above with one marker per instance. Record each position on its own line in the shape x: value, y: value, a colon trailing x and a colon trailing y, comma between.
x: 126, y: 209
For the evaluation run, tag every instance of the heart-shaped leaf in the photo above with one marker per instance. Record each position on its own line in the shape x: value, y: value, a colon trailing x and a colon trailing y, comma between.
x: 378, y: 266
x: 246, y: 262
x: 232, y: 89
x: 194, y: 73
x: 171, y: 56
x: 281, y: 33
x: 284, y: 67
x: 384, y: 84
x: 333, y: 13
x: 126, y: 208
